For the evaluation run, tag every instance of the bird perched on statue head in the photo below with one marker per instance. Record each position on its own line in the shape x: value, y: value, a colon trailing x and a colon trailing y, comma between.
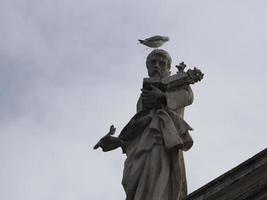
x: 155, y: 41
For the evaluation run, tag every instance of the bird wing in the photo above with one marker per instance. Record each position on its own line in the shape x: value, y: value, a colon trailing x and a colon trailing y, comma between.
x: 154, y: 38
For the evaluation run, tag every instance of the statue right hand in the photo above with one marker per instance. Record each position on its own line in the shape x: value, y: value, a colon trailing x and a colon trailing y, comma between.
x: 108, y: 143
x: 153, y: 98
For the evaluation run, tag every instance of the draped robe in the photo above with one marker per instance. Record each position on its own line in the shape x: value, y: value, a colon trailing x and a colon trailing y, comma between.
x: 154, y: 167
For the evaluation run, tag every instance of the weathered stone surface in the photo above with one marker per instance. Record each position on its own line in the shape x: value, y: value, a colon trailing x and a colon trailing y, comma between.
x: 247, y: 181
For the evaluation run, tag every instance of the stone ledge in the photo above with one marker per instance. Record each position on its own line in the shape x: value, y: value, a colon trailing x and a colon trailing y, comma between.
x: 247, y: 181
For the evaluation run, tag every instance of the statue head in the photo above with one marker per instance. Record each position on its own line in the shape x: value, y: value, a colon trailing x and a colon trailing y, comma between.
x: 158, y: 63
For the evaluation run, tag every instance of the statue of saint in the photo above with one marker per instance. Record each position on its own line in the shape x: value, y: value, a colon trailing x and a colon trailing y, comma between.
x: 155, y: 138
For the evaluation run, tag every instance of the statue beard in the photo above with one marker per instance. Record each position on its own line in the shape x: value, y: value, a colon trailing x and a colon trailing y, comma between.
x: 157, y: 74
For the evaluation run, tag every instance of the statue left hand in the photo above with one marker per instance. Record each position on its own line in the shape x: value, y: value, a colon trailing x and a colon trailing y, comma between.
x: 153, y: 98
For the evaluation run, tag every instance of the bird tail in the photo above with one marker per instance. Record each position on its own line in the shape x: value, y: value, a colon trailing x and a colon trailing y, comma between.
x: 141, y: 41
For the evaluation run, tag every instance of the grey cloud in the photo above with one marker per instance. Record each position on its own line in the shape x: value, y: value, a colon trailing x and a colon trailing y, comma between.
x: 70, y: 69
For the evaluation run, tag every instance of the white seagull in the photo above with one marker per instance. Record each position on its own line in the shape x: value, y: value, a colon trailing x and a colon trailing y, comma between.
x: 155, y: 41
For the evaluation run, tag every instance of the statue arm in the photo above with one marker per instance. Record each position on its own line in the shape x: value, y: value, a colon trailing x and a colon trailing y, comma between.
x: 180, y: 98
x: 109, y: 143
x: 139, y: 105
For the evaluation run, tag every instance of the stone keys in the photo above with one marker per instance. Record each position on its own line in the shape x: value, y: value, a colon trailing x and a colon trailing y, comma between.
x: 175, y: 81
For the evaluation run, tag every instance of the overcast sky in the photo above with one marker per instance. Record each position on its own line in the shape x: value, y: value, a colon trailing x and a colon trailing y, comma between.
x: 69, y: 69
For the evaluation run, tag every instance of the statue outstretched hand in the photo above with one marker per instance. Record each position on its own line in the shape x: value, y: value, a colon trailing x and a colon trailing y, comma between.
x: 109, y: 142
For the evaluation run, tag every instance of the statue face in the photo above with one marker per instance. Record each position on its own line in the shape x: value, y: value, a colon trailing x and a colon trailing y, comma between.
x: 158, y: 66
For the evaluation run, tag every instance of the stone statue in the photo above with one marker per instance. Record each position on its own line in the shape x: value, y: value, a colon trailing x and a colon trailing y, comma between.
x: 155, y: 138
